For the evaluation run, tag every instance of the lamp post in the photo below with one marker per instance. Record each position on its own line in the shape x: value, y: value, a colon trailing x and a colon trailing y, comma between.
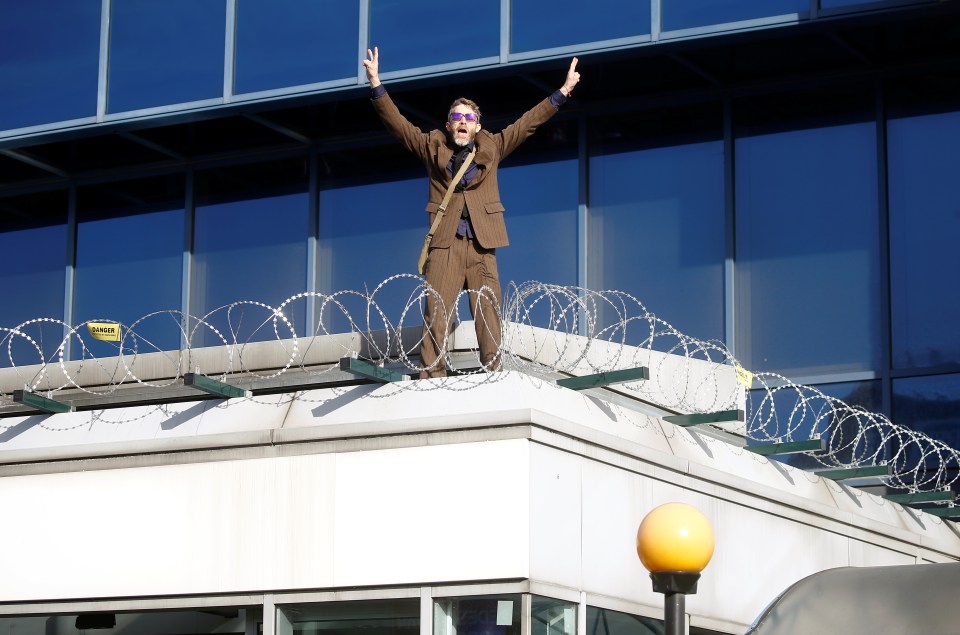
x: 675, y: 542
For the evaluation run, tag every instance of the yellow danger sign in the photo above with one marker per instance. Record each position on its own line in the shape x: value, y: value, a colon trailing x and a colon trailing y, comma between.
x: 106, y: 331
x: 744, y: 376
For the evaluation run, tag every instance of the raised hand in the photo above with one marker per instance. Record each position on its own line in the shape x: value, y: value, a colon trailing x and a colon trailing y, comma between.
x: 372, y: 64
x: 573, y: 78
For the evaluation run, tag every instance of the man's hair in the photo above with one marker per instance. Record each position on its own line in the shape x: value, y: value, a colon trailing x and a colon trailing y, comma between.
x: 463, y: 101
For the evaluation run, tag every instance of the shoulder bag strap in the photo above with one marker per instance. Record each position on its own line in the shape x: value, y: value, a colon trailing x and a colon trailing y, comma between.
x: 443, y: 208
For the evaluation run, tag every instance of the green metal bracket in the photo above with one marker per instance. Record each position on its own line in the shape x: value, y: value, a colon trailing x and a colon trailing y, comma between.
x: 600, y: 380
x: 788, y: 447
x: 847, y: 473
x: 214, y: 387
x: 705, y: 417
x: 920, y: 497
x: 943, y: 512
x: 365, y: 369
x: 43, y: 404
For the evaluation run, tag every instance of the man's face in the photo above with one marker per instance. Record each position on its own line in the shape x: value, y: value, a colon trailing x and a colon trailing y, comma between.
x: 462, y: 130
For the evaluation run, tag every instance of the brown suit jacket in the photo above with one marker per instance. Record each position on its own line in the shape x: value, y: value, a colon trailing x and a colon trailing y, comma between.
x: 482, y: 196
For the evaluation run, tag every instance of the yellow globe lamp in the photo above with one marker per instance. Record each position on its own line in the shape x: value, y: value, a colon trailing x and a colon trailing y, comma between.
x: 675, y: 537
x: 675, y: 543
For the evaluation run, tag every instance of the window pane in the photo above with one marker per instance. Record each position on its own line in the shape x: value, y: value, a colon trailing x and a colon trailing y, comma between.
x: 553, y: 617
x: 33, y: 247
x: 923, y: 153
x: 129, y: 262
x: 541, y: 217
x: 371, y: 617
x: 807, y: 283
x: 686, y: 14
x: 607, y: 622
x: 369, y: 233
x: 575, y: 22
x: 49, y: 61
x: 229, y: 619
x: 930, y: 405
x: 284, y: 43
x: 250, y: 242
x: 657, y: 238
x: 428, y: 32
x: 484, y: 615
x: 165, y: 52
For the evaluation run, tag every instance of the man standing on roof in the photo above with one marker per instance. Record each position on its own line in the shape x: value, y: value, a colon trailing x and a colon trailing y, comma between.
x: 462, y: 252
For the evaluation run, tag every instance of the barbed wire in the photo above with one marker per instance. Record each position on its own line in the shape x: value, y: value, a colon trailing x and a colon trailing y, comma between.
x: 546, y: 329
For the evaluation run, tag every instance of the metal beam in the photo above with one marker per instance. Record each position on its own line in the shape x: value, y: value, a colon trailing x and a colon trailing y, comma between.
x: 848, y: 473
x: 600, y: 380
x: 788, y: 447
x: 920, y: 497
x: 699, y: 418
x: 943, y: 512
x: 43, y: 404
x: 214, y: 387
x: 37, y: 163
x: 282, y: 129
x: 363, y: 368
x: 156, y: 147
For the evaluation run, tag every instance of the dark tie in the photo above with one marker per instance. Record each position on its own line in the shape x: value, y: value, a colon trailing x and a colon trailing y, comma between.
x: 457, y: 163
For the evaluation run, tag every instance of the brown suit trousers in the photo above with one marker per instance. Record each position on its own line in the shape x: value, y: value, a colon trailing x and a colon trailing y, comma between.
x: 464, y: 265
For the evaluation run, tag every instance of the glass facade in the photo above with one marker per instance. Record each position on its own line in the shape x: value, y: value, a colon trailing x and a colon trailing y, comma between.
x: 370, y: 617
x: 129, y: 233
x: 581, y: 23
x: 227, y: 619
x: 807, y: 251
x: 284, y: 43
x: 687, y: 14
x: 162, y: 54
x: 800, y: 209
x: 482, y: 615
x: 924, y: 229
x: 408, y: 36
x: 49, y: 61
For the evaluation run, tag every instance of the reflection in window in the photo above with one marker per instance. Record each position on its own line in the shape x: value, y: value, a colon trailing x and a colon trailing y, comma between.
x: 369, y: 233
x: 484, y: 615
x: 686, y: 14
x: 575, y: 22
x: 33, y: 248
x: 250, y: 242
x: 129, y: 262
x: 807, y: 287
x: 165, y: 53
x: 923, y: 153
x: 657, y: 238
x: 541, y: 222
x: 371, y: 617
x: 225, y: 620
x: 607, y: 622
x: 930, y: 405
x: 552, y: 617
x: 283, y: 43
x: 410, y: 35
x: 50, y: 53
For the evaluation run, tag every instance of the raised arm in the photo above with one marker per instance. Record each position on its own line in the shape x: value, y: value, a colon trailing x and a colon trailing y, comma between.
x: 573, y: 78
x: 372, y: 64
